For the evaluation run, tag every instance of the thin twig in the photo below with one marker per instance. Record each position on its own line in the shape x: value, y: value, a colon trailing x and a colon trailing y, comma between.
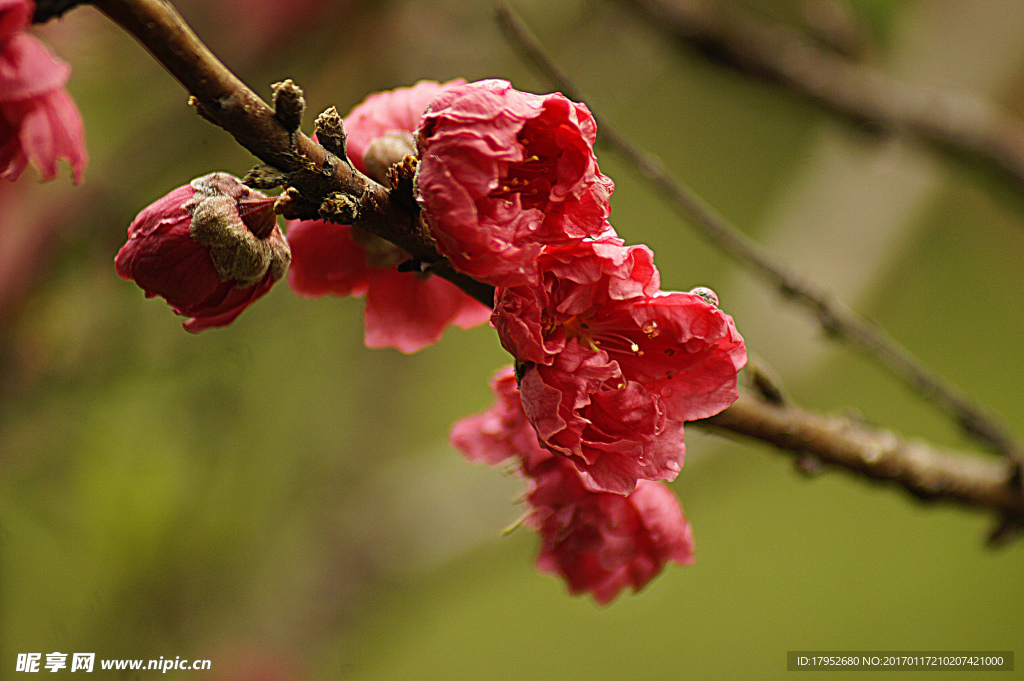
x: 318, y: 175
x: 834, y: 317
x: 741, y: 39
x: 925, y: 472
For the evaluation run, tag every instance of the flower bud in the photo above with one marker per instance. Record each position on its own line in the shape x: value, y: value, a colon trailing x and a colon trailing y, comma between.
x: 386, y: 151
x: 210, y: 249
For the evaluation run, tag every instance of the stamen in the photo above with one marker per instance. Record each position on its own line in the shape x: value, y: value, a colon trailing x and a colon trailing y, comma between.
x: 652, y: 330
x: 597, y: 335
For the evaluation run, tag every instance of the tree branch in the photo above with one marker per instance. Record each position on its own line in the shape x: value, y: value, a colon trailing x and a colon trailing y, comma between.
x: 835, y: 318
x: 317, y: 175
x: 744, y: 41
x: 927, y: 473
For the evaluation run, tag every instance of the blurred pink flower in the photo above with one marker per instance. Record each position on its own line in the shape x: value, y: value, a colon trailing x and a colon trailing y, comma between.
x: 503, y: 173
x: 256, y: 661
x: 39, y: 122
x: 210, y: 249
x: 262, y: 28
x: 405, y: 310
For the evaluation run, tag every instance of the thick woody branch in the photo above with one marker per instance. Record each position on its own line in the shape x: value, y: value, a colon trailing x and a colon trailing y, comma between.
x: 317, y: 176
x: 752, y: 45
x: 927, y: 473
x: 835, y: 319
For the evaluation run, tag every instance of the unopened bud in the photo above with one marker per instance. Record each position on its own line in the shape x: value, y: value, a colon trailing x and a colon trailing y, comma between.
x: 239, y: 225
x: 386, y: 151
x: 289, y: 103
x: 330, y: 133
x: 210, y: 248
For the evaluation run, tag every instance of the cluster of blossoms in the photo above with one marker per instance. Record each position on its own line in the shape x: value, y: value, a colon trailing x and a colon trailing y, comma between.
x: 608, y: 366
x: 39, y: 122
x: 598, y: 541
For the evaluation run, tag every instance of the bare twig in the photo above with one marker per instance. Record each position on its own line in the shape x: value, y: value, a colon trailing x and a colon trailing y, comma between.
x: 834, y: 317
x: 744, y: 41
x: 314, y: 172
x: 927, y: 473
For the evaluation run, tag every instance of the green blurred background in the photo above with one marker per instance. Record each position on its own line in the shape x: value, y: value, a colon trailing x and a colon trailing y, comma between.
x: 278, y: 499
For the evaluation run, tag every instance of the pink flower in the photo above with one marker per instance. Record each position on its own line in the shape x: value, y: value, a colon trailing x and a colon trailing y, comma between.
x: 615, y: 430
x: 675, y: 344
x: 39, y: 121
x: 504, y: 172
x: 597, y: 541
x: 326, y: 260
x: 210, y: 249
x: 535, y: 321
x: 405, y: 310
x: 617, y: 366
x: 690, y: 353
x: 600, y: 542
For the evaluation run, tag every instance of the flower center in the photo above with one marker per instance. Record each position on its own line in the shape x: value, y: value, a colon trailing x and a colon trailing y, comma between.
x: 534, y: 176
x: 612, y: 335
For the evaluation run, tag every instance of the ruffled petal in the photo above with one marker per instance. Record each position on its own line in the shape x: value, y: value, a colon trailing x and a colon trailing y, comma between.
x: 503, y: 173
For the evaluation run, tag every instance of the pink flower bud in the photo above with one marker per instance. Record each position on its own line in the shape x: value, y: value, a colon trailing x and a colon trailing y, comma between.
x: 210, y: 249
x: 386, y: 151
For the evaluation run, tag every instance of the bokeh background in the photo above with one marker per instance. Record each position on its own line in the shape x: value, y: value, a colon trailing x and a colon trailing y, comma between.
x: 278, y: 499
